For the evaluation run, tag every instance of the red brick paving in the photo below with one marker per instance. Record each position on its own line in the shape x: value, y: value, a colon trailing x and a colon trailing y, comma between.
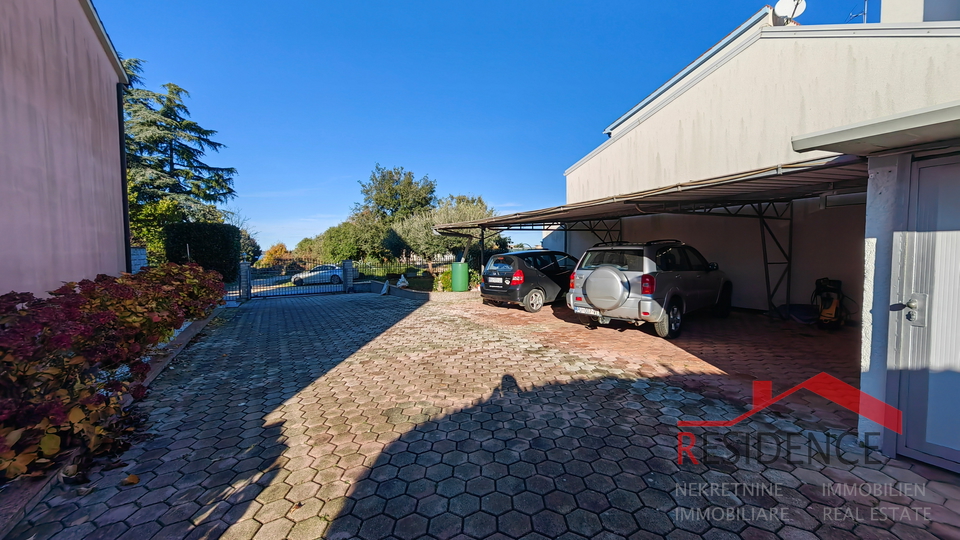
x: 745, y: 347
x: 359, y: 416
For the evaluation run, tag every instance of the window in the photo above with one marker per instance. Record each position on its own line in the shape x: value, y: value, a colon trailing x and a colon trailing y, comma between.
x: 672, y: 259
x: 697, y: 262
x: 548, y: 263
x: 566, y: 263
x: 540, y: 261
x: 625, y: 259
x: 500, y: 264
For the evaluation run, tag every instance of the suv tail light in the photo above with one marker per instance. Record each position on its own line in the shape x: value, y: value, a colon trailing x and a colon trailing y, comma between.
x: 573, y: 279
x: 517, y: 278
x: 648, y: 284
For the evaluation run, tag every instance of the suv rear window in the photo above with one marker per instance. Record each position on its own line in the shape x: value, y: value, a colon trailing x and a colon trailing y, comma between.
x: 630, y: 260
x: 500, y: 264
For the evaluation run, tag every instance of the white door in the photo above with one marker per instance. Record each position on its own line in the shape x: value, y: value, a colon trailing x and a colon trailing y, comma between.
x: 927, y: 297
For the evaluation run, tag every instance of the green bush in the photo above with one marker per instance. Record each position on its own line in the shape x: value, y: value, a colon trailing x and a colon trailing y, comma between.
x: 444, y: 281
x: 214, y: 246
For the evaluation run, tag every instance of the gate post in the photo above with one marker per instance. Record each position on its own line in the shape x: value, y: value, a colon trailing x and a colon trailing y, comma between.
x: 347, y: 267
x: 246, y: 285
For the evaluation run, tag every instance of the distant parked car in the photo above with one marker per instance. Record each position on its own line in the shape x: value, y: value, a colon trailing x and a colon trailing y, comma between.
x: 323, y: 273
x: 657, y: 282
x: 528, y: 278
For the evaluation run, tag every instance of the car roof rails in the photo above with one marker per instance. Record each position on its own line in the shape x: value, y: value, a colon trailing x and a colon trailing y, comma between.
x: 664, y: 241
x: 620, y: 243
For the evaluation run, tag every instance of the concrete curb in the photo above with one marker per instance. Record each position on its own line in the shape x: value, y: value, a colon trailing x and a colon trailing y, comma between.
x: 159, y: 361
x: 423, y: 296
x: 21, y: 496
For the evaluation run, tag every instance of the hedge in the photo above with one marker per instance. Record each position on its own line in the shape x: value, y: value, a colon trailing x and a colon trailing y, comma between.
x: 67, y: 360
x: 214, y: 246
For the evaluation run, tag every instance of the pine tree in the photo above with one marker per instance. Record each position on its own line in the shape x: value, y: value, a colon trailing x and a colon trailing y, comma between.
x: 165, y: 167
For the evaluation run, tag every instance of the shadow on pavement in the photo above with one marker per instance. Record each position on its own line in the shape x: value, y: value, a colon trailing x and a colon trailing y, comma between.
x: 598, y: 459
x: 219, y: 450
x: 263, y: 430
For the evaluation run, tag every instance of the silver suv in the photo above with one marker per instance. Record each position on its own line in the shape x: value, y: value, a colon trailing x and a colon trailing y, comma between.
x: 657, y: 281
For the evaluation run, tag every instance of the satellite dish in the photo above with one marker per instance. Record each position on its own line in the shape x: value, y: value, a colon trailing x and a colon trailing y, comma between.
x: 790, y: 9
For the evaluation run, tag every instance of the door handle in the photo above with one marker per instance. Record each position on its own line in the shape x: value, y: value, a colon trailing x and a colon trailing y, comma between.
x: 916, y: 312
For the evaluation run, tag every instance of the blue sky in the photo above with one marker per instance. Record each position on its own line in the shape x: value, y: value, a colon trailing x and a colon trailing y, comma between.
x: 487, y: 98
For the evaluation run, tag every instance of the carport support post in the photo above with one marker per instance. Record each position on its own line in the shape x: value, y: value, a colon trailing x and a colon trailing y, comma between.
x: 790, y: 257
x: 482, y: 251
x: 246, y: 285
x: 766, y: 263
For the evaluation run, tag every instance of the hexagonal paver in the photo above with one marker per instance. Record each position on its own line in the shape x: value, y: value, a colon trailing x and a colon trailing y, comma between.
x: 361, y: 416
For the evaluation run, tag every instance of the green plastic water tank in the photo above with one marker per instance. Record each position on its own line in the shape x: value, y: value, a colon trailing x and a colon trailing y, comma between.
x: 461, y: 277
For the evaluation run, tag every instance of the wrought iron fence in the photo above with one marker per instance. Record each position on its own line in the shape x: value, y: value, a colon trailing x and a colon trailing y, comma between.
x: 314, y: 276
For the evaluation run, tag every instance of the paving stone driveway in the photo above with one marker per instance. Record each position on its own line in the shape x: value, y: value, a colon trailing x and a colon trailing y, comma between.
x: 363, y: 416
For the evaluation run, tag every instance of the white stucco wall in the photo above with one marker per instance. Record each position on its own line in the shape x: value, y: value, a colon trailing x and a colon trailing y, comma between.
x: 901, y: 11
x: 788, y: 80
x: 897, y: 11
x: 61, y: 202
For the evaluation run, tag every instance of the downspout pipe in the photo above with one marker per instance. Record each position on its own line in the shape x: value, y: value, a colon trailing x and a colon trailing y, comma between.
x: 123, y: 178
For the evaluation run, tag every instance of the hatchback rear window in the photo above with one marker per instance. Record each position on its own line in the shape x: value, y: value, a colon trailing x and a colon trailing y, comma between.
x: 624, y: 259
x: 500, y: 264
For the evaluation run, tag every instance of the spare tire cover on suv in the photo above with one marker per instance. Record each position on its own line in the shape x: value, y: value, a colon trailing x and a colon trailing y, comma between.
x: 606, y: 288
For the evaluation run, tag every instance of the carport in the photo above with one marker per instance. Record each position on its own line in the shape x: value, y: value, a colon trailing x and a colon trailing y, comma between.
x: 765, y: 195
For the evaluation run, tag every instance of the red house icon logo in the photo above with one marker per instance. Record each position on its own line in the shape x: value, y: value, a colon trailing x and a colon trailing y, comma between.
x: 822, y: 384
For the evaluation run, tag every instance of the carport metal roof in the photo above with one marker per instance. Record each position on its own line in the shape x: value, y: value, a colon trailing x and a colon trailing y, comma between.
x: 783, y: 183
x: 763, y: 194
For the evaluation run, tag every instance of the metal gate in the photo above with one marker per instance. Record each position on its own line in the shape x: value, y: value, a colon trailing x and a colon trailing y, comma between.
x: 296, y: 276
x: 292, y: 277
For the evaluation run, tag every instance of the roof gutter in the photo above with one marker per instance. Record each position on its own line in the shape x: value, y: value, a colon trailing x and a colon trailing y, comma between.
x: 703, y: 59
x: 97, y: 24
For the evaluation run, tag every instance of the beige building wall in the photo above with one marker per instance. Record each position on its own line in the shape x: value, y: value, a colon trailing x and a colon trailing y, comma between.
x: 897, y: 11
x: 738, y: 111
x: 61, y: 202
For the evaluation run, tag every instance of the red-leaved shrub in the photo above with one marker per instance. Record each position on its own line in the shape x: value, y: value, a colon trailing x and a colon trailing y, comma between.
x: 61, y: 358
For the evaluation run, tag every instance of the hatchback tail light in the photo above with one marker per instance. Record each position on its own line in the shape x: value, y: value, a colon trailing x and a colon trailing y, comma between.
x: 517, y: 278
x: 573, y: 279
x: 648, y: 284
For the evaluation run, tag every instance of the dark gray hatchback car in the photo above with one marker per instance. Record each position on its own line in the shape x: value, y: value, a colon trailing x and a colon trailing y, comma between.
x: 528, y: 278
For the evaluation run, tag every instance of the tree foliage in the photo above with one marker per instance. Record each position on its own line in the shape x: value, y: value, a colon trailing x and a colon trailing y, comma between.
x: 341, y: 242
x: 394, y: 194
x: 415, y: 233
x: 249, y: 248
x: 168, y: 179
x: 395, y: 219
x: 275, y: 254
x: 309, y: 248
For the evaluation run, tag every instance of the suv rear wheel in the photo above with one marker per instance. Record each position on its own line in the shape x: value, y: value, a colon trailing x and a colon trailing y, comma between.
x: 670, y: 325
x: 533, y: 301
